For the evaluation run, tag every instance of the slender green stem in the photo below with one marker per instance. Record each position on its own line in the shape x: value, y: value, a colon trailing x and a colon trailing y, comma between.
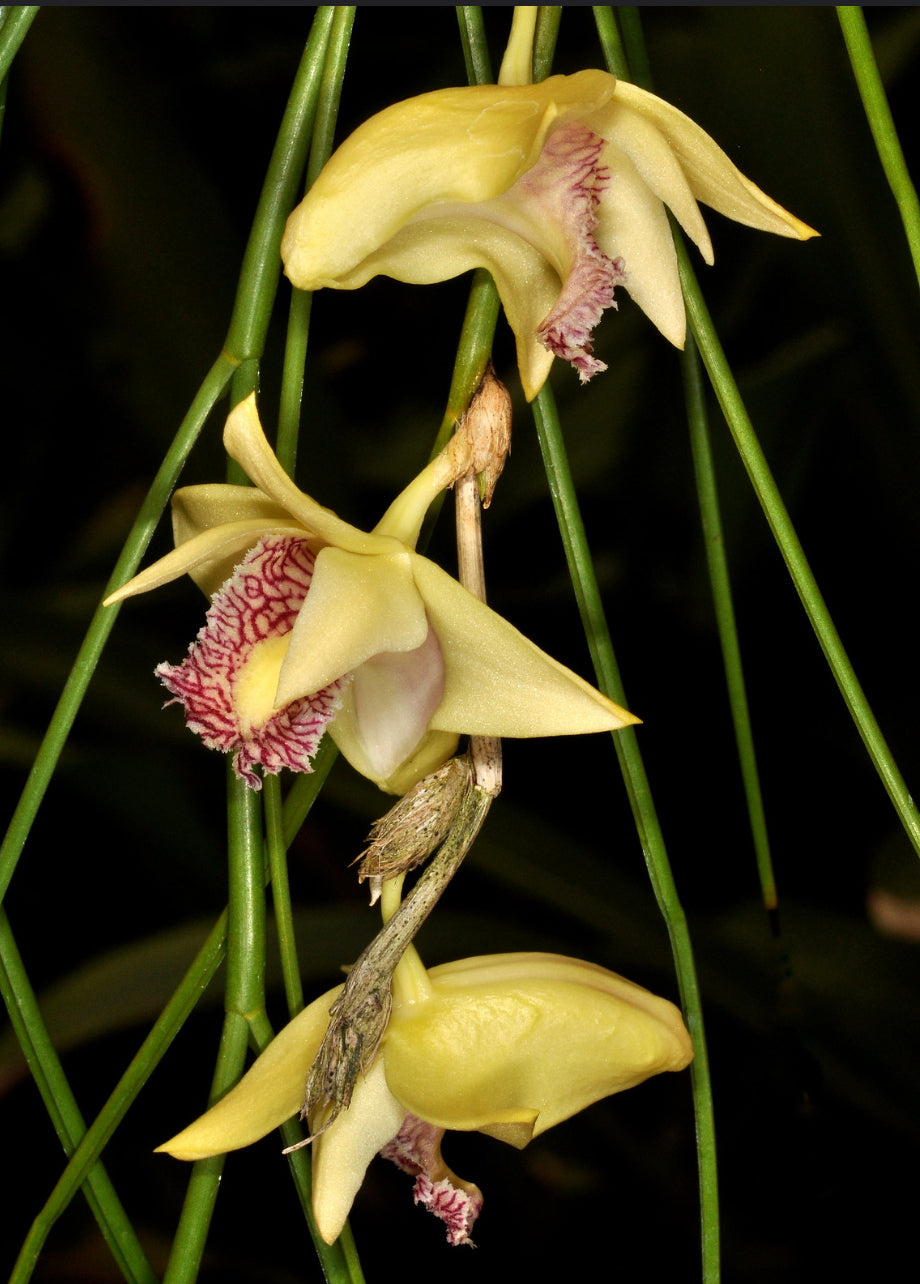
x: 780, y: 524
x: 17, y: 19
x: 68, y: 1123
x: 244, y: 1004
x: 587, y: 592
x: 708, y: 496
x: 148, y: 1057
x: 475, y: 45
x: 545, y: 37
x: 878, y: 113
x: 298, y: 330
x: 262, y: 261
x: 630, y: 18
x: 245, y: 994
x: 200, y: 1197
x: 281, y: 894
x: 609, y: 35
x: 474, y: 351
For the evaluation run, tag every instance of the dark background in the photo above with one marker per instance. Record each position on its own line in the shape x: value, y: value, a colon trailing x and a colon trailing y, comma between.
x: 133, y: 151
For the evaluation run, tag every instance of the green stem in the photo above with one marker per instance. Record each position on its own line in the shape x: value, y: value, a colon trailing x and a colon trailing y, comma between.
x: 17, y: 20
x: 708, y: 496
x: 587, y: 593
x: 244, y: 1004
x: 475, y: 45
x: 298, y: 330
x: 609, y: 35
x: 148, y: 1057
x: 68, y: 1124
x: 545, y: 37
x: 780, y: 524
x: 640, y: 71
x: 281, y: 894
x: 262, y: 260
x: 878, y: 113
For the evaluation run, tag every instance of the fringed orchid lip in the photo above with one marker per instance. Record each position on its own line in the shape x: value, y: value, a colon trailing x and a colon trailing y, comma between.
x: 227, y: 683
x: 505, y: 1044
x: 321, y: 625
x: 559, y: 189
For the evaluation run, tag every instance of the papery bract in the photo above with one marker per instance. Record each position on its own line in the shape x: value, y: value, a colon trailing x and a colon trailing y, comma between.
x: 558, y: 188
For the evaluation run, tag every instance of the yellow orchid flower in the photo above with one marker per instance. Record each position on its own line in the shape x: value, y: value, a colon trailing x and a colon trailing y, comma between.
x: 558, y: 188
x: 314, y: 623
x: 504, y: 1044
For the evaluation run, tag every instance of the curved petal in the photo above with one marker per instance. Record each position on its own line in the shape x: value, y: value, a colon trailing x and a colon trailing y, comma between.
x: 497, y: 682
x: 633, y: 226
x: 357, y: 607
x: 342, y: 1153
x: 519, y: 1038
x: 245, y: 442
x: 393, y: 696
x: 657, y: 166
x: 713, y: 178
x: 267, y: 1095
x: 465, y: 144
x: 206, y: 555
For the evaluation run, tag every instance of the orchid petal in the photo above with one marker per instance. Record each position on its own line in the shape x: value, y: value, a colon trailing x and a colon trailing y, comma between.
x: 206, y: 555
x: 357, y: 607
x: 342, y: 1153
x: 268, y: 1094
x: 713, y: 178
x: 632, y: 226
x: 635, y: 137
x: 394, y: 695
x: 196, y: 509
x: 498, y: 683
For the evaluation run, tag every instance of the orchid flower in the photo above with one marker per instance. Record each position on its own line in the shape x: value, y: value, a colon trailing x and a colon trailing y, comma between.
x: 503, y: 1044
x: 558, y: 188
x: 314, y: 624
